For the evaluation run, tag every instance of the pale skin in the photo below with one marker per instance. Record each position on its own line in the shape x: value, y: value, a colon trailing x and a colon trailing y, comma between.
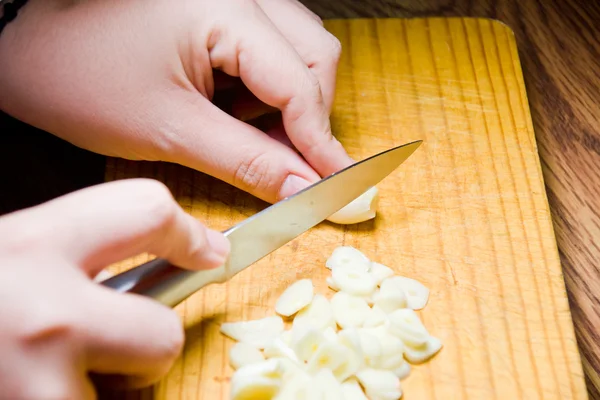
x: 135, y: 79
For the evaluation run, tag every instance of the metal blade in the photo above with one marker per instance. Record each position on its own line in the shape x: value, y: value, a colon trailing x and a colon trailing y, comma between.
x: 270, y: 229
x: 261, y: 234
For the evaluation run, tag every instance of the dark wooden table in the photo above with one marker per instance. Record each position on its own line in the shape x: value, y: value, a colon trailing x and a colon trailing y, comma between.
x: 560, y: 53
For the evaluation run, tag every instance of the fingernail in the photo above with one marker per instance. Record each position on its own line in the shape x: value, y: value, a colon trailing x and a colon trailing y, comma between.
x: 219, y: 245
x: 293, y: 184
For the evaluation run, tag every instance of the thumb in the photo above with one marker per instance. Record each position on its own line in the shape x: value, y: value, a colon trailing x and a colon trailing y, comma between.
x: 238, y: 153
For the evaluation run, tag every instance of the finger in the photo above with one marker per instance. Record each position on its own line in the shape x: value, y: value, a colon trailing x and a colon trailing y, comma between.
x: 237, y: 153
x: 319, y: 49
x: 130, y: 338
x: 246, y: 106
x: 275, y: 73
x: 99, y: 225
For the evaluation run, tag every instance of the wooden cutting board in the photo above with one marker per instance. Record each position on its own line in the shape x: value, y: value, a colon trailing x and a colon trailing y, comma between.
x: 467, y: 215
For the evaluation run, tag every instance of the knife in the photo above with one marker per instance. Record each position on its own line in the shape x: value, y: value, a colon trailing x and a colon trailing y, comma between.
x: 264, y: 232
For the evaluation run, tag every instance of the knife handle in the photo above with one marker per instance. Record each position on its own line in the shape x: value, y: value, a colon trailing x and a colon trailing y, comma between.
x: 164, y: 282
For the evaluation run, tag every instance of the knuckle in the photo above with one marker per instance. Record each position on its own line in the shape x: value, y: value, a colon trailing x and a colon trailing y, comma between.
x: 49, y: 325
x: 254, y: 173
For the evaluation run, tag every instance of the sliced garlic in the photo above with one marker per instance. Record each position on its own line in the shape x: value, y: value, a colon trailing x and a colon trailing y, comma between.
x: 376, y: 317
x: 318, y: 314
x: 379, y: 272
x: 330, y: 334
x: 351, y: 390
x: 349, y: 311
x: 371, y: 348
x: 297, y: 296
x: 348, y: 257
x: 295, y: 388
x: 242, y: 354
x: 392, y: 348
x: 357, y: 283
x: 416, y: 293
x: 272, y: 368
x: 278, y: 348
x: 256, y: 388
x: 350, y: 339
x: 324, y: 386
x: 307, y: 343
x: 406, y: 325
x: 420, y: 354
x: 402, y: 371
x: 329, y: 355
x: 258, y: 333
x: 380, y: 384
x: 290, y: 368
x: 286, y: 336
x: 331, y: 283
x: 363, y: 208
x: 257, y: 381
x: 388, y: 300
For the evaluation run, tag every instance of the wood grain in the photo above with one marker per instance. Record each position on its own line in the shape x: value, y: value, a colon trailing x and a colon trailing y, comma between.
x: 559, y: 48
x: 467, y: 214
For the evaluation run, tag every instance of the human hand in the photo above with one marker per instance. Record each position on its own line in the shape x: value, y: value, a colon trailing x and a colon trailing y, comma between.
x: 134, y: 79
x: 57, y: 324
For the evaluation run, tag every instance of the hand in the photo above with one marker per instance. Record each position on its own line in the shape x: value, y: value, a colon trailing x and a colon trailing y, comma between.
x: 57, y: 324
x: 134, y: 79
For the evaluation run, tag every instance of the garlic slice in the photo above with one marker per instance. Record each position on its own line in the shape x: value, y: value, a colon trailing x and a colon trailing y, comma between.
x: 318, y: 314
x: 416, y: 293
x: 290, y: 368
x: 379, y: 272
x: 348, y: 257
x: 256, y: 388
x: 349, y: 311
x: 258, y: 333
x: 380, y: 384
x: 260, y: 381
x: 324, y: 386
x: 331, y: 283
x: 242, y: 354
x: 392, y: 348
x: 420, y: 354
x: 376, y: 317
x: 297, y: 296
x: 402, y: 371
x: 330, y: 334
x: 278, y: 348
x: 370, y: 346
x: 306, y: 344
x: 351, y: 390
x: 329, y: 355
x: 363, y: 208
x: 389, y: 300
x: 350, y: 339
x: 295, y: 388
x: 406, y: 325
x: 357, y: 283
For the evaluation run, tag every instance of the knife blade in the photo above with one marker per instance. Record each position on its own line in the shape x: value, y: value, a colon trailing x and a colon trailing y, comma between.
x: 264, y: 232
